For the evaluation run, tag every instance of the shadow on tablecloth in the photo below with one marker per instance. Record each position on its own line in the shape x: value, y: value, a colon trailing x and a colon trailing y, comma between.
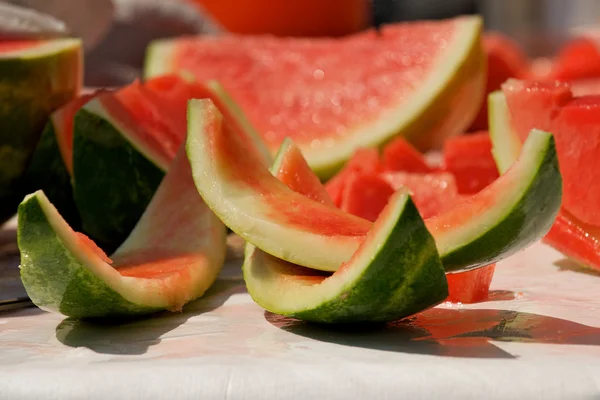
x: 135, y: 337
x: 449, y: 332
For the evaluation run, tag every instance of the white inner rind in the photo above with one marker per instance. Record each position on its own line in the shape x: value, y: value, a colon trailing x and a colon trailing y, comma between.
x: 49, y: 47
x: 279, y: 293
x: 506, y: 142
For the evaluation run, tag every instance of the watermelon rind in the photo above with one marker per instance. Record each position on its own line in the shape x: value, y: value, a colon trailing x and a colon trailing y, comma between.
x: 250, y: 212
x: 506, y: 142
x: 61, y: 274
x: 114, y: 176
x: 33, y: 83
x: 521, y: 208
x: 443, y: 105
x: 395, y: 273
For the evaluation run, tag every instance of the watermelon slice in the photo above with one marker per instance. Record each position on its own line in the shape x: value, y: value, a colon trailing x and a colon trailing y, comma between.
x: 575, y: 122
x: 469, y: 158
x: 172, y: 256
x: 507, y: 216
x: 123, y: 143
x: 391, y: 276
x: 572, y: 237
x: 37, y: 78
x: 421, y: 80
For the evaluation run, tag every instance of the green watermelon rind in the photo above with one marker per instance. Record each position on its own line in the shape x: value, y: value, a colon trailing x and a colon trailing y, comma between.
x: 114, y: 178
x: 33, y: 83
x: 522, y: 215
x: 395, y: 273
x: 61, y: 274
x: 446, y: 102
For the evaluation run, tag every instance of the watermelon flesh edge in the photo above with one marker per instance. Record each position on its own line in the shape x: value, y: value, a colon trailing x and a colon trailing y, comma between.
x: 172, y: 256
x: 230, y: 175
x: 575, y: 239
x: 444, y: 104
x: 394, y: 273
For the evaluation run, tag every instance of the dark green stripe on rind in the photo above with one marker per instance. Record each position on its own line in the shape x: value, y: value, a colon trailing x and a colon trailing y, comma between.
x: 403, y: 276
x: 113, y: 181
x: 523, y: 224
x: 31, y: 88
x: 47, y: 172
x: 55, y: 279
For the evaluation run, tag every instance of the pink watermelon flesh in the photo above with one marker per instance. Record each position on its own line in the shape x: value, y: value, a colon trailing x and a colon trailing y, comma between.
x: 366, y: 195
x: 19, y: 45
x: 317, y: 90
x: 363, y: 161
x: 469, y: 158
x: 578, y: 59
x: 575, y: 123
x: 399, y: 155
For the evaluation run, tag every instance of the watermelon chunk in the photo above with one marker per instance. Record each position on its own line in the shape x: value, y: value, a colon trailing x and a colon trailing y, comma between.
x: 399, y: 155
x: 575, y: 122
x: 363, y: 161
x: 470, y: 286
x: 469, y: 158
x: 420, y: 80
x: 366, y: 195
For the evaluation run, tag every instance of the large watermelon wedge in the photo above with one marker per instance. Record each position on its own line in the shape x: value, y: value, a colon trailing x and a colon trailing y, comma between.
x: 36, y: 78
x: 124, y: 142
x: 171, y: 257
x: 423, y: 80
x: 505, y: 217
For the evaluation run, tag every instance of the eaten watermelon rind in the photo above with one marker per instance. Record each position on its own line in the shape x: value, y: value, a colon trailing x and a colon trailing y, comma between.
x: 395, y: 273
x: 110, y: 200
x: 506, y: 142
x: 61, y: 273
x: 523, y: 204
x: 33, y: 83
x: 249, y: 212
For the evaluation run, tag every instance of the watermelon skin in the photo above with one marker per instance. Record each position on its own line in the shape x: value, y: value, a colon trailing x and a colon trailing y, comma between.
x: 47, y: 172
x: 33, y: 83
x: 110, y: 199
x: 328, y: 133
x: 172, y: 256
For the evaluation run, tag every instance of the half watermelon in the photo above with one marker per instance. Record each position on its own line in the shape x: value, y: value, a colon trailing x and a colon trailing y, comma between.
x: 422, y: 80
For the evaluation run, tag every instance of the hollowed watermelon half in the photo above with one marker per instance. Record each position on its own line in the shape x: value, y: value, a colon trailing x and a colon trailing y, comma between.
x: 421, y: 80
x: 569, y: 235
x: 507, y: 216
x: 36, y: 78
x: 123, y: 143
x: 172, y: 256
x: 394, y: 273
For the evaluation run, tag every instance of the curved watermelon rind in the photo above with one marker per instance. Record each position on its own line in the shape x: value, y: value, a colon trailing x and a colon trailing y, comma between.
x: 395, y: 273
x: 525, y: 212
x: 33, y: 83
x: 113, y: 180
x: 178, y: 242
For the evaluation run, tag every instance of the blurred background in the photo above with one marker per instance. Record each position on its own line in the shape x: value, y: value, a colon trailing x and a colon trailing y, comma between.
x: 116, y: 32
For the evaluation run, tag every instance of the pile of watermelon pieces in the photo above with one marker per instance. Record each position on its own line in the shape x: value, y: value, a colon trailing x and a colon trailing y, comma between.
x: 105, y: 157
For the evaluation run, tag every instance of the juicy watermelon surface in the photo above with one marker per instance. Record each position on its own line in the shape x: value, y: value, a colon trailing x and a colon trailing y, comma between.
x: 575, y: 123
x: 9, y: 46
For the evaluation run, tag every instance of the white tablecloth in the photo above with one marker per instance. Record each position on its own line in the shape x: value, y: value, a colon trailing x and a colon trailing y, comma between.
x: 537, y: 337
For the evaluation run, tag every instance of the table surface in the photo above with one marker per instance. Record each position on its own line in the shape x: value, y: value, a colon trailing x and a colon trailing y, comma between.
x: 536, y: 337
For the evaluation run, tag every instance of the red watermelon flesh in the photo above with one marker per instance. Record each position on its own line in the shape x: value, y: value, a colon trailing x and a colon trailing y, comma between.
x: 470, y: 286
x: 63, y: 123
x: 577, y: 59
x: 575, y: 239
x: 505, y: 59
x: 469, y: 158
x: 8, y: 46
x: 311, y: 93
x: 399, y: 155
x: 575, y: 123
x: 363, y: 161
x: 366, y: 195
